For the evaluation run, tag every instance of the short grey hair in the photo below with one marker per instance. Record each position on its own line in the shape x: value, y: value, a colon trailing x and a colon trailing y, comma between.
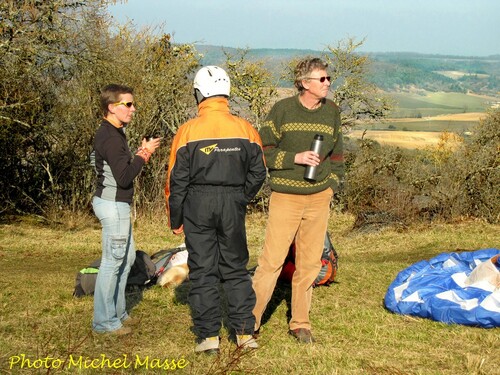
x: 304, y: 69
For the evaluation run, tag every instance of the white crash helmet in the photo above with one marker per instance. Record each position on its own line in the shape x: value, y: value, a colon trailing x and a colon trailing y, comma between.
x: 212, y: 81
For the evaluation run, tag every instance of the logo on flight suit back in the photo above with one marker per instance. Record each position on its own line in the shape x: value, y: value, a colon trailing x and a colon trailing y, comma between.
x: 209, y: 149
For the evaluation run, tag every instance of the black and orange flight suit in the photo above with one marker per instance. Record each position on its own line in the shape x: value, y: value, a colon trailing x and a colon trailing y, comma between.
x: 216, y: 167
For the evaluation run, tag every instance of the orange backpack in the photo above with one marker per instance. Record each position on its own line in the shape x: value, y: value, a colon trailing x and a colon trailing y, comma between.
x: 329, y: 264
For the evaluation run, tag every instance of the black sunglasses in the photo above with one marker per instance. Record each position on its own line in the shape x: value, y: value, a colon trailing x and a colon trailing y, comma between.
x: 321, y: 79
x: 126, y: 104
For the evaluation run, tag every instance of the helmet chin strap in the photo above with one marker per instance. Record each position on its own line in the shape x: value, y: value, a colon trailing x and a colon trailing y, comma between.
x: 198, y: 96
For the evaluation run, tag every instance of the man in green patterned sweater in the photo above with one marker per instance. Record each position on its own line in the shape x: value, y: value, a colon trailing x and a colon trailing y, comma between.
x: 299, y: 208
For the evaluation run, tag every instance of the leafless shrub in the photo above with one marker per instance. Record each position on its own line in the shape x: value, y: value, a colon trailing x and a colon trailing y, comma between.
x: 473, y: 173
x: 387, y: 186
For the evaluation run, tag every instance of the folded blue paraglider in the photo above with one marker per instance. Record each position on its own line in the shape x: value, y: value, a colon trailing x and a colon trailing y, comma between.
x: 454, y: 288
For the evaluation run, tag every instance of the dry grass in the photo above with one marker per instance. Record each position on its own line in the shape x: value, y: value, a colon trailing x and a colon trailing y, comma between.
x: 415, y: 139
x: 40, y: 319
x: 403, y: 139
x: 469, y: 116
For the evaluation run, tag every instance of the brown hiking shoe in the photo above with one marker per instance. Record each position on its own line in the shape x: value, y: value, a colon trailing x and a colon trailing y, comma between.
x: 130, y: 322
x: 302, y: 335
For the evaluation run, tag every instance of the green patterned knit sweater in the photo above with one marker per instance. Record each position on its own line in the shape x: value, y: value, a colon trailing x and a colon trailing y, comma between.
x: 289, y: 129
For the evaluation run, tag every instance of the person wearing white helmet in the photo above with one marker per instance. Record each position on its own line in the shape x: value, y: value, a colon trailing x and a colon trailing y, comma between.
x: 211, y: 81
x: 216, y: 168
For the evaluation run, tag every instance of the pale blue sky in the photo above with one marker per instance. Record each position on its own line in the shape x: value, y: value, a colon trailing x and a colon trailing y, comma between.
x: 457, y: 27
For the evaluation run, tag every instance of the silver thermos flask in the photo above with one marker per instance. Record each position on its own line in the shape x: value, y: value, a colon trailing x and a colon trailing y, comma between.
x: 310, y: 173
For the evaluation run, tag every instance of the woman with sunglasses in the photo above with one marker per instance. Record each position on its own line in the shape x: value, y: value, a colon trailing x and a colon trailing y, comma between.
x: 116, y: 168
x: 299, y: 205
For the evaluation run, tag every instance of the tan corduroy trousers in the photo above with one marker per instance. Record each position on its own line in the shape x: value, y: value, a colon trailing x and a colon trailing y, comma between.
x: 305, y: 219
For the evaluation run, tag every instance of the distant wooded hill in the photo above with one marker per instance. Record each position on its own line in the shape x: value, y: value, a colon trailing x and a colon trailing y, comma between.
x: 393, y: 71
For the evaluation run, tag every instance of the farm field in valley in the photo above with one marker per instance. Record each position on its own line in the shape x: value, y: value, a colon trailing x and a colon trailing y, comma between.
x: 403, y: 139
x: 437, y: 113
x: 428, y: 104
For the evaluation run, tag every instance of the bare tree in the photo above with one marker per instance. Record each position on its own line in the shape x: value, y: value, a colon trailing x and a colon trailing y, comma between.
x: 252, y: 85
x: 359, y: 99
x: 55, y: 55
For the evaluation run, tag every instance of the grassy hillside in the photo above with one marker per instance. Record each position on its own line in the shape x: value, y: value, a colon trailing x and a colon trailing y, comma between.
x: 393, y: 71
x: 396, y: 71
x: 422, y: 86
x: 355, y: 334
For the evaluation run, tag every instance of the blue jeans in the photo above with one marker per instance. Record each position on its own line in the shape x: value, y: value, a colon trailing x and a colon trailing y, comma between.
x: 118, y: 256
